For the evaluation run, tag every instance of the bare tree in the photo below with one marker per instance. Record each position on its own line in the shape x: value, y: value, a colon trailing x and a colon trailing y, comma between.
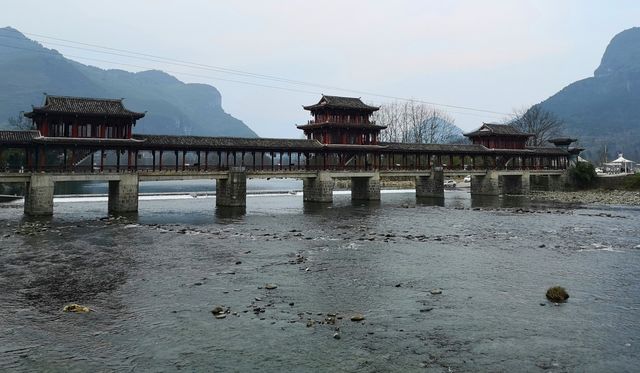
x: 20, y: 122
x: 542, y: 124
x: 415, y: 122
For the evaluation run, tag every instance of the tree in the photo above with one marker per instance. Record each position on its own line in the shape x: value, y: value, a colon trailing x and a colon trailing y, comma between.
x: 415, y: 122
x: 20, y: 122
x: 542, y: 124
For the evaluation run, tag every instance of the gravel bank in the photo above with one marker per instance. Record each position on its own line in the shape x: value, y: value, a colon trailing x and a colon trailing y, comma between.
x: 606, y: 197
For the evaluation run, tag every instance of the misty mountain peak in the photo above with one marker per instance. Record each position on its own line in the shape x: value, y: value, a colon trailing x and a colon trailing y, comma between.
x: 622, y: 54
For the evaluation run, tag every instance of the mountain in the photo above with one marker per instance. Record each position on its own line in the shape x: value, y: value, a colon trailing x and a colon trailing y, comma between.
x: 27, y: 70
x: 604, y: 110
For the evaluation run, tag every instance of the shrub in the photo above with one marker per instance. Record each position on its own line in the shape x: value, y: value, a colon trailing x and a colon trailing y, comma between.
x: 557, y: 294
x: 632, y: 182
x: 583, y: 174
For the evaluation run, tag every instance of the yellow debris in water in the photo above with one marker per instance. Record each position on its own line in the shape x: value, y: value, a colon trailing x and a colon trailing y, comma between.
x: 76, y: 308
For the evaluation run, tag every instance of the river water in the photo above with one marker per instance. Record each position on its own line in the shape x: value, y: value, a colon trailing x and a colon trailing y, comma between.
x: 152, y: 279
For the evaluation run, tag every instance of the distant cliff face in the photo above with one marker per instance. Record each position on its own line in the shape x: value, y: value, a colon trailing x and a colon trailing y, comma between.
x: 27, y: 70
x: 622, y: 55
x: 604, y: 111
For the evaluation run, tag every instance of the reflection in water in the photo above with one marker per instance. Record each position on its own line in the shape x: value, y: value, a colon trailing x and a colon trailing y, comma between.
x: 430, y: 201
x: 229, y: 215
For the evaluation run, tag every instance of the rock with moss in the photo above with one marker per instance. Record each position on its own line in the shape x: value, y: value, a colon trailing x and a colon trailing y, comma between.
x: 557, y: 294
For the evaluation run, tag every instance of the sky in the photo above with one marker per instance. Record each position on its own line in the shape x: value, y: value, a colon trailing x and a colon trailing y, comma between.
x: 493, y: 56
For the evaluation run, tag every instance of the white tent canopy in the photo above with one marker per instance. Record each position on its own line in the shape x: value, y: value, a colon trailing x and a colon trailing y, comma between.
x: 621, y: 164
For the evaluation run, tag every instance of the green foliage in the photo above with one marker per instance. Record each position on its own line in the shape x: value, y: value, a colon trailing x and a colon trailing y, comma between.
x: 583, y: 174
x: 632, y: 182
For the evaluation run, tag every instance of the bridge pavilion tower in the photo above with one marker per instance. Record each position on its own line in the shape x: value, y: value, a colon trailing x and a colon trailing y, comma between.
x: 67, y: 123
x: 342, y: 120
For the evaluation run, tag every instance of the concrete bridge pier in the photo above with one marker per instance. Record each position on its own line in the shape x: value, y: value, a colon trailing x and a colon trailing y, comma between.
x: 38, y: 198
x: 232, y: 191
x: 485, y: 185
x: 494, y: 184
x: 431, y: 186
x: 515, y: 184
x: 557, y: 182
x: 123, y: 194
x: 365, y: 188
x: 319, y: 188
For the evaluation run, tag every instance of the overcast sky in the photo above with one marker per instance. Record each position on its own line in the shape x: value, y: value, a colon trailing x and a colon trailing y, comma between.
x: 489, y: 55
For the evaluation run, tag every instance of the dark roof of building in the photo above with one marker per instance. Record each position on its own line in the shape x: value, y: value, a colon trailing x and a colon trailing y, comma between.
x: 339, y: 102
x: 340, y: 125
x: 84, y: 106
x: 435, y: 148
x: 87, y: 141
x: 560, y: 141
x: 547, y: 150
x: 493, y: 129
x: 18, y: 137
x: 179, y: 142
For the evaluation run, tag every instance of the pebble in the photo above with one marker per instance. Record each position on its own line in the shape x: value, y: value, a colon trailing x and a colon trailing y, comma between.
x: 435, y: 291
x: 428, y: 309
x: 270, y: 286
x: 336, y: 335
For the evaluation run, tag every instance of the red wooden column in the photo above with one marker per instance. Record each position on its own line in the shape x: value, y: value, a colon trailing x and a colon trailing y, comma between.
x: 129, y: 159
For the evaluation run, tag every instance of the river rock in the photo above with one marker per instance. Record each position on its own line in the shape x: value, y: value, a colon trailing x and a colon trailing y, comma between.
x: 357, y: 317
x: 270, y: 286
x: 76, y: 308
x: 435, y: 291
x: 336, y: 335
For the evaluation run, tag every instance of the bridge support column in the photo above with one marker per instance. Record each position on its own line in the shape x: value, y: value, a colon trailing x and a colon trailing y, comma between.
x: 514, y: 184
x: 557, y: 182
x: 485, y: 185
x: 123, y: 194
x: 318, y: 189
x: 38, y: 198
x: 431, y: 186
x: 365, y: 188
x: 232, y: 192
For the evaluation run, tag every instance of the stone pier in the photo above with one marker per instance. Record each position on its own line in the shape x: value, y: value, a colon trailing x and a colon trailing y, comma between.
x: 319, y: 188
x: 485, y: 185
x: 123, y: 194
x: 557, y: 182
x: 431, y: 186
x: 514, y: 184
x: 232, y: 192
x: 494, y: 184
x: 38, y: 198
x: 365, y: 188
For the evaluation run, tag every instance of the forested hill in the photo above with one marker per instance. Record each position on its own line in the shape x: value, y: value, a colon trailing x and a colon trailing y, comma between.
x: 27, y: 70
x: 604, y: 110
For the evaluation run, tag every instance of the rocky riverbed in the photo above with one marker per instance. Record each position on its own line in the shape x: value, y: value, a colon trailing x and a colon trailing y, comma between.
x: 600, y: 196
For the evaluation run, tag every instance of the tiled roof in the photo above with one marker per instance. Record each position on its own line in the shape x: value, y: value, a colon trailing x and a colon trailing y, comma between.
x: 436, y: 148
x: 18, y: 137
x: 179, y: 142
x: 338, y: 102
x: 84, y: 106
x: 340, y: 125
x: 492, y: 129
x: 548, y: 150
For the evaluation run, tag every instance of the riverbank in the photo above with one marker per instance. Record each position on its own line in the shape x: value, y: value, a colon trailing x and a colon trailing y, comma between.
x: 598, y: 196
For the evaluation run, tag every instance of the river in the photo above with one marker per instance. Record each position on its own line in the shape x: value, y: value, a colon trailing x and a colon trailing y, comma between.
x: 153, y: 278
